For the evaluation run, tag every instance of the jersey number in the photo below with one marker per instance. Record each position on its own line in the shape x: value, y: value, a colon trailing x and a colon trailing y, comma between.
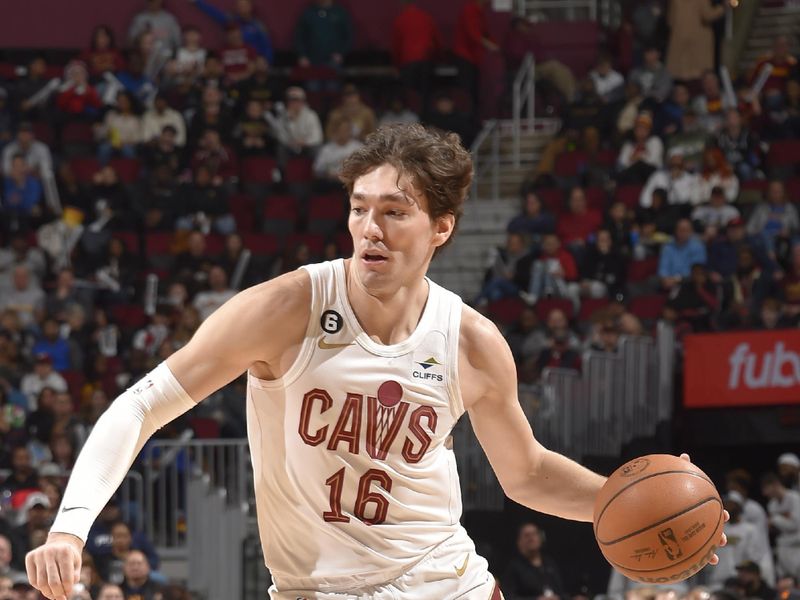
x: 363, y: 498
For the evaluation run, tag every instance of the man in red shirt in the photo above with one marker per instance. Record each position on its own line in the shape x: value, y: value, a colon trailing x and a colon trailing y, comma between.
x: 575, y: 227
x: 551, y: 273
x: 238, y: 59
x: 471, y: 41
x: 415, y: 42
x: 783, y: 63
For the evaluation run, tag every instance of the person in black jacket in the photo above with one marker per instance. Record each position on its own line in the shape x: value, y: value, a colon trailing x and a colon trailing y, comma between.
x: 531, y: 574
x: 602, y: 272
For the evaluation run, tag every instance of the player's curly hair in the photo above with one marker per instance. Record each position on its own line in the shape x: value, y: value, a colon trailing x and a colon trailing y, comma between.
x: 433, y: 162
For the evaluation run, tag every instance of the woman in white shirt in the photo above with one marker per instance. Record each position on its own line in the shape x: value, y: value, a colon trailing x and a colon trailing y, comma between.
x: 121, y: 130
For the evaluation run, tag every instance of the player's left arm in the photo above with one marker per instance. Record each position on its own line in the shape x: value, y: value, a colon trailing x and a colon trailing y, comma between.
x: 529, y: 473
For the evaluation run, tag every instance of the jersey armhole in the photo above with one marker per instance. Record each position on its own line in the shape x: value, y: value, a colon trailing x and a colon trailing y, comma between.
x: 454, y: 337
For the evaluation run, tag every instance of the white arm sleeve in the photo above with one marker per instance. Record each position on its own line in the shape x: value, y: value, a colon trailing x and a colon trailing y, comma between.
x: 114, y: 443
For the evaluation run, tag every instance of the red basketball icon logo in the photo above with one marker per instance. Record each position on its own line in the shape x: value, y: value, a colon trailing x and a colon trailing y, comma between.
x: 390, y: 393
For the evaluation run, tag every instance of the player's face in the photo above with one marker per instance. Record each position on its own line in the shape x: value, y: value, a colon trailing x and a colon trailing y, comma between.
x: 393, y: 235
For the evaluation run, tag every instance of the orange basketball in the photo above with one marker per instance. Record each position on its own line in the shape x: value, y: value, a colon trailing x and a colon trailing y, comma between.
x: 658, y: 519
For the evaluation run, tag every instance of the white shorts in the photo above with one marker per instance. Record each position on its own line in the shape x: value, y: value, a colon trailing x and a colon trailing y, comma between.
x: 451, y: 571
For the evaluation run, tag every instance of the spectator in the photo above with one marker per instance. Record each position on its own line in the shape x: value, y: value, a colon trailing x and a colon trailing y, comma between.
x: 774, y: 219
x: 619, y: 224
x: 416, y: 42
x: 716, y: 215
x: 789, y: 285
x: 330, y: 157
x: 136, y: 81
x: 26, y: 297
x: 191, y: 56
x: 162, y: 115
x: 671, y: 111
x: 252, y: 133
x: 689, y: 141
x: 163, y: 152
x: 121, y: 131
x: 740, y: 481
x: 749, y: 576
x: 746, y: 546
x: 323, y: 34
x: 711, y: 105
x: 602, y: 272
x: 397, y: 112
x: 649, y: 26
x: 77, y: 98
x: 642, y: 155
x: 37, y: 154
x: 102, y: 55
x: 581, y: 222
x: 22, y: 193
x: 739, y: 146
x: 653, y: 77
x: 42, y: 378
x: 789, y: 470
x: 784, y: 519
x: 137, y: 582
x: 212, y: 114
x: 53, y: 345
x: 718, y: 173
x: 626, y: 119
x: 66, y: 294
x: 33, y: 92
x: 679, y: 256
x: 237, y: 57
x: 783, y: 66
x: 683, y: 187
x: 216, y: 156
x: 558, y: 355
x: 7, y: 120
x: 110, y: 564
x: 254, y: 33
x: 531, y: 573
x: 691, y: 42
x: 771, y: 316
x: 608, y: 83
x: 551, y: 273
x: 508, y: 272
x: 443, y: 115
x: 20, y: 252
x: 361, y: 117
x: 159, y: 22
x: 22, y: 476
x: 471, y: 40
x: 192, y: 265
x: 6, y: 569
x: 297, y: 126
x: 534, y: 220
x: 259, y: 87
x: 205, y: 204
x: 696, y: 302
x: 109, y: 591
x: 33, y: 518
x: 100, y: 540
x: 217, y: 294
x: 149, y: 338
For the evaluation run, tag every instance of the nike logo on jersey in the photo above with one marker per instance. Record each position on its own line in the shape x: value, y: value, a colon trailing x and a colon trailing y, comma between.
x: 323, y: 345
x: 460, y: 572
x: 67, y: 509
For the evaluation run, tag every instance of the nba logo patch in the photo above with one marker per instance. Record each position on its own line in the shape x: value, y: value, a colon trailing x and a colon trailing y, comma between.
x: 428, y: 361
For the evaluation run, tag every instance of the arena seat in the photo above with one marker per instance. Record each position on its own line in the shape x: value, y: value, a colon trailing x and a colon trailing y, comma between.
x: 129, y: 316
x: 589, y: 306
x: 280, y: 214
x: 215, y: 243
x: 298, y: 170
x: 204, y: 428
x: 325, y: 213
x: 545, y: 305
x: 648, y: 307
x: 258, y: 169
x: 344, y: 241
x: 314, y: 241
x: 84, y: 168
x: 130, y: 240
x: 595, y: 197
x: 570, y: 164
x: 128, y: 169
x: 77, y: 133
x: 261, y: 244
x: 43, y: 132
x: 783, y: 153
x: 629, y: 195
x: 552, y: 199
x: 243, y: 209
x: 641, y: 270
x: 506, y: 310
x: 158, y: 243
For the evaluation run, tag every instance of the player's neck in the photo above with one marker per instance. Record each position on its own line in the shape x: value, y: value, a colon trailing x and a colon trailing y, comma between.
x: 388, y: 318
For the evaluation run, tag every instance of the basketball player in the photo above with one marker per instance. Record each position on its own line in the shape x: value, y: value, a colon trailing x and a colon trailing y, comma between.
x: 358, y: 370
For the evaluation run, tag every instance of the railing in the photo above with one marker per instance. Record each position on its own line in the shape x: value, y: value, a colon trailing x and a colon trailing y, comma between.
x: 483, y: 165
x: 559, y: 10
x: 523, y: 100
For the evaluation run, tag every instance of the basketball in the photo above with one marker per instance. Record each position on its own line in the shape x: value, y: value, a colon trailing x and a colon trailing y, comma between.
x: 658, y: 519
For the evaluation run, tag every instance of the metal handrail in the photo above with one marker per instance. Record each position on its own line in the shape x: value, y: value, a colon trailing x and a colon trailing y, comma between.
x: 490, y: 133
x: 525, y: 7
x: 523, y: 97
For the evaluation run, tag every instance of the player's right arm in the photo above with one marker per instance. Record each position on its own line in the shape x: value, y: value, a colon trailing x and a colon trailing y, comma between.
x: 257, y: 329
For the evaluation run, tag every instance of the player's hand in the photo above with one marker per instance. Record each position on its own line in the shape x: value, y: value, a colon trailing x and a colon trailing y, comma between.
x: 724, y: 539
x: 55, y: 567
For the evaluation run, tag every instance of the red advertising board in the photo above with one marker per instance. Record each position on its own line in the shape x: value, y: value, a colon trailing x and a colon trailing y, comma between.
x: 750, y: 368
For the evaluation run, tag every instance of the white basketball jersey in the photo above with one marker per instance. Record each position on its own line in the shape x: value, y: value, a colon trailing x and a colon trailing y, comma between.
x: 355, y: 480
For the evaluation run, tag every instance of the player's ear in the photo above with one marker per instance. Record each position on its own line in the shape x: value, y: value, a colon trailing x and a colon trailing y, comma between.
x: 444, y: 226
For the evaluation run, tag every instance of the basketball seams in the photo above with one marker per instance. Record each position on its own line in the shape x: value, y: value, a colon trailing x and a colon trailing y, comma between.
x: 702, y: 476
x: 664, y: 520
x: 692, y: 555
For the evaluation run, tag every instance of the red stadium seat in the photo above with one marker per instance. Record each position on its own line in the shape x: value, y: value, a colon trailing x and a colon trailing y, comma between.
x: 130, y: 240
x: 793, y: 190
x: 298, y: 170
x: 552, y: 199
x: 43, y: 132
x: 313, y: 73
x: 129, y: 316
x: 259, y: 169
x: 345, y: 242
x: 77, y: 133
x: 641, y: 270
x: 329, y: 206
x: 204, y: 428
x: 75, y: 381
x: 605, y: 158
x: 595, y: 198
x: 589, y: 306
x: 545, y: 305
x: 243, y: 209
x: 628, y: 195
x: 506, y: 310
x: 158, y: 243
x: 569, y: 164
x: 84, y: 168
x: 315, y: 242
x: 127, y: 169
x: 280, y: 214
x: 261, y: 244
x: 648, y: 307
x: 8, y: 71
x: 783, y: 152
x: 215, y: 243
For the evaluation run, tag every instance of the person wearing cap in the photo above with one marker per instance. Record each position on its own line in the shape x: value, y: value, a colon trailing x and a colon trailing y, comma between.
x: 352, y: 107
x: 42, y: 377
x: 32, y: 517
x: 784, y: 518
x: 642, y: 154
x: 37, y: 155
x: 789, y: 470
x: 749, y: 575
x: 715, y: 215
x: 297, y: 126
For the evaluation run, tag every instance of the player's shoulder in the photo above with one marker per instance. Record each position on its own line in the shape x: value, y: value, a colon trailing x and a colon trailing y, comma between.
x: 285, y: 297
x: 480, y: 341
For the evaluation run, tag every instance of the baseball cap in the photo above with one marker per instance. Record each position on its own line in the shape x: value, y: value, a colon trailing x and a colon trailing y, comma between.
x: 295, y: 93
x: 749, y: 566
x: 43, y: 357
x: 789, y: 458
